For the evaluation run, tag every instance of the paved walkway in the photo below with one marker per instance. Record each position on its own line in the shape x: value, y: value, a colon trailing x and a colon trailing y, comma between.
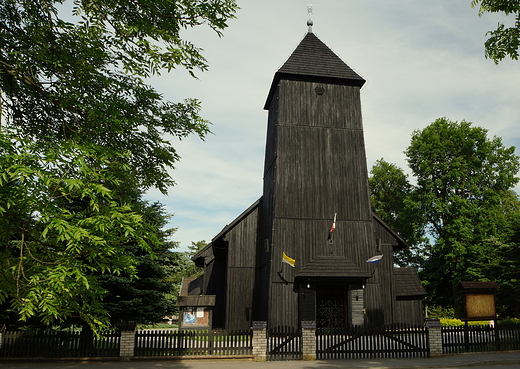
x: 512, y: 359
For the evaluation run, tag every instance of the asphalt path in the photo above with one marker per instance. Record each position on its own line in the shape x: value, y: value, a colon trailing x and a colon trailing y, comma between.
x: 479, y: 360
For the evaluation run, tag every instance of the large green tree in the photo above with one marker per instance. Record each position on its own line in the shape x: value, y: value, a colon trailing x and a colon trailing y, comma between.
x: 83, y: 80
x: 60, y: 224
x: 78, y: 125
x: 462, y: 180
x: 503, y: 41
x: 462, y: 199
x: 393, y: 200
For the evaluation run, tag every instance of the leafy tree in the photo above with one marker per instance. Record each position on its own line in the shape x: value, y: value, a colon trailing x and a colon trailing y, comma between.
x: 393, y: 201
x: 78, y: 122
x: 463, y: 202
x: 503, y: 41
x: 463, y: 180
x: 60, y: 224
x: 501, y: 259
x: 83, y: 81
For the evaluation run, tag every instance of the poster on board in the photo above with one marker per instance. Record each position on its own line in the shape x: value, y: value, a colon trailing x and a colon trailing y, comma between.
x: 189, y: 317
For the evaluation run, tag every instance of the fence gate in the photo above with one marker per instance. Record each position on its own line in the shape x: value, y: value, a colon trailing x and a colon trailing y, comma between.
x: 357, y: 342
x: 284, y: 343
x: 164, y: 342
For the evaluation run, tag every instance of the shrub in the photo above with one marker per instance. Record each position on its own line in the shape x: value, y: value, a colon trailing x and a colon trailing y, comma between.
x: 440, y: 312
x: 458, y: 322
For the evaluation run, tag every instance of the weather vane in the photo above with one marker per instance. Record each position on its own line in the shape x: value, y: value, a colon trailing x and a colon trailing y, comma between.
x: 309, y: 21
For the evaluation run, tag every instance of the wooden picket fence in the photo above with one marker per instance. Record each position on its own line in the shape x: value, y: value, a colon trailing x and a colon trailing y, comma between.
x: 284, y: 343
x: 358, y: 342
x: 193, y: 343
x: 480, y: 338
x: 58, y: 344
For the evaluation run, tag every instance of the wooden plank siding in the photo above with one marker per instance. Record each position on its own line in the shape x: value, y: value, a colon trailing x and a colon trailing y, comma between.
x: 409, y: 312
x: 216, y: 275
x: 263, y: 262
x: 239, y: 310
x: 263, y: 286
x: 321, y: 165
x: 396, y: 310
x: 270, y: 145
x: 283, y: 304
x: 321, y: 170
x: 316, y: 186
x: 338, y: 107
x: 381, y: 288
x: 305, y: 239
x: 242, y: 241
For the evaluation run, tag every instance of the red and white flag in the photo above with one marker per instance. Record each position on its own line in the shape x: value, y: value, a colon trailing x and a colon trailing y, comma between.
x: 332, y: 227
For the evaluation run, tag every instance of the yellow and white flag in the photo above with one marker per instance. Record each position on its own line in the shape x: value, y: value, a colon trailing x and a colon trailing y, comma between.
x: 287, y: 259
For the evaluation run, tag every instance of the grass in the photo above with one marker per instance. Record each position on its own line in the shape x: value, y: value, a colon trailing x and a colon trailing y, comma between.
x: 157, y: 326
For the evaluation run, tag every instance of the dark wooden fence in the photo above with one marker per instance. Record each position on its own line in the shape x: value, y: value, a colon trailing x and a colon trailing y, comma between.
x: 357, y: 342
x: 193, y: 343
x: 58, y: 344
x: 284, y: 343
x: 479, y: 338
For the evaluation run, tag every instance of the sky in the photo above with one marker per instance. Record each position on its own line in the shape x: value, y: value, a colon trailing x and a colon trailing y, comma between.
x: 422, y: 60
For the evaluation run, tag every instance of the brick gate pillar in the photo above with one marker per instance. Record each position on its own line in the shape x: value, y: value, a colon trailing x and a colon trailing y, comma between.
x: 127, y: 343
x: 260, y: 340
x: 309, y: 340
x: 434, y: 336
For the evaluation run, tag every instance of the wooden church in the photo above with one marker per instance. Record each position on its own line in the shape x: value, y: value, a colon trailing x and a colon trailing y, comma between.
x: 316, y: 210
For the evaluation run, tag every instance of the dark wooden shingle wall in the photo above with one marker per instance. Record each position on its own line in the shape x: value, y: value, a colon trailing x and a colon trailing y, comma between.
x: 320, y: 169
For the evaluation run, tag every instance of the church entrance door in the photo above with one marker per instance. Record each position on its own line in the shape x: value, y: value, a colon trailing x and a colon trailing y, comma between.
x: 331, y: 306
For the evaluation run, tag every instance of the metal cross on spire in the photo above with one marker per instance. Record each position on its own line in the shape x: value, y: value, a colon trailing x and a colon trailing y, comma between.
x: 309, y: 21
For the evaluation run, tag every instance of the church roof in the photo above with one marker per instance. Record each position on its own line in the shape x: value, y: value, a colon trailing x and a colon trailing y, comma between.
x: 407, y: 283
x: 332, y: 266
x: 314, y: 61
x: 191, y: 286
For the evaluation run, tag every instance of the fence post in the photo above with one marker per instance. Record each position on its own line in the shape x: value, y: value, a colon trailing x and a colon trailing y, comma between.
x: 309, y: 340
x: 2, y: 331
x: 260, y: 340
x: 434, y: 336
x: 497, y: 335
x: 127, y: 343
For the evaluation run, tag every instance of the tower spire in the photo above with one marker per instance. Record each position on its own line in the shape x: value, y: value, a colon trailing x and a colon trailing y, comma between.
x: 309, y: 21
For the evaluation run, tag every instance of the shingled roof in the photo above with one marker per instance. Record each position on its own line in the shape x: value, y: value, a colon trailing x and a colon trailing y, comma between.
x: 191, y: 286
x: 407, y: 283
x: 314, y: 61
x: 332, y: 266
